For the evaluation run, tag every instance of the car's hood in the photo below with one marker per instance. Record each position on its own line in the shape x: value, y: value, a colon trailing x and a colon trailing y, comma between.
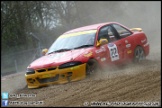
x: 56, y: 59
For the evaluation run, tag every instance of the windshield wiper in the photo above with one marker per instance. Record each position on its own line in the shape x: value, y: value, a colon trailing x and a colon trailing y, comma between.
x: 83, y: 46
x: 60, y: 50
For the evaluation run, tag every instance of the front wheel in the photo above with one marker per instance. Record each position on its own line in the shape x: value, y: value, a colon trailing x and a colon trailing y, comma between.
x: 139, y: 54
x: 91, y: 67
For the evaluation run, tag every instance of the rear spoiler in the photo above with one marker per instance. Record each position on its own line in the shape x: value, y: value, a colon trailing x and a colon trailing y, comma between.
x: 136, y: 29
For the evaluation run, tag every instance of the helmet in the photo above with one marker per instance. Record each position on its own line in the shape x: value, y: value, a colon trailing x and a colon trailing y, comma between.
x: 44, y: 51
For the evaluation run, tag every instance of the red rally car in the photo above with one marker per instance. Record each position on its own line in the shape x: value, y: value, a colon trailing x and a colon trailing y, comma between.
x: 78, y: 52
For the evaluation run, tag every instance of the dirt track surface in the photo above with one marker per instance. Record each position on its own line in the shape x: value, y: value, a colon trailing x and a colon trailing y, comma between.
x: 129, y: 83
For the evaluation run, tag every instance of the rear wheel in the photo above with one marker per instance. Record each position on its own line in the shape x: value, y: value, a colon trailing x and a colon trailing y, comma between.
x: 91, y: 67
x: 139, y: 54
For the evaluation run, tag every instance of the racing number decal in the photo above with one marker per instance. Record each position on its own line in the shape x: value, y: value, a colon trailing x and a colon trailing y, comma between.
x: 113, y: 52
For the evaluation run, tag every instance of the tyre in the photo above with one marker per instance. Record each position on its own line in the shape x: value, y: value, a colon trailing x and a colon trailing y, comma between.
x: 91, y: 67
x: 139, y: 54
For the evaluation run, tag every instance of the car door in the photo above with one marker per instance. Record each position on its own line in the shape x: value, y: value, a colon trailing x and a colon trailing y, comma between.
x: 115, y: 47
x: 125, y: 39
x: 111, y: 53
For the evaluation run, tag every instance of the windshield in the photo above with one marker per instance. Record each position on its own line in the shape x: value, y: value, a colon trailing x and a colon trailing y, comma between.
x: 73, y: 41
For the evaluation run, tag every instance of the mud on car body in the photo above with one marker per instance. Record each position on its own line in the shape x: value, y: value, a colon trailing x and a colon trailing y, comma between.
x: 79, y: 52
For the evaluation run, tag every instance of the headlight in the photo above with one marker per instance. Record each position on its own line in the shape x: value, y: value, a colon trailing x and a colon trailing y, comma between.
x: 70, y: 64
x: 30, y: 71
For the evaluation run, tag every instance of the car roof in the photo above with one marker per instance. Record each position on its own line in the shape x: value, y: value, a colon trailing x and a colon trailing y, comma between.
x: 89, y: 27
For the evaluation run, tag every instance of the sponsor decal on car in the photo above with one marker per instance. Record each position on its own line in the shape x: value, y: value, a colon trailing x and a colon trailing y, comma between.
x: 146, y: 44
x: 103, y: 59
x: 142, y: 41
x: 128, y: 45
x: 102, y: 49
x: 110, y: 44
x: 88, y: 54
x: 126, y: 41
x: 129, y: 51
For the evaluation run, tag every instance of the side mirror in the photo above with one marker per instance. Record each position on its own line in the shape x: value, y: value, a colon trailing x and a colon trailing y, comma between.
x: 44, y: 51
x: 102, y: 42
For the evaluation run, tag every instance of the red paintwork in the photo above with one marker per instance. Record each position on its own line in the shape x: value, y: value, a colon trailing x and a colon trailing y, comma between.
x: 56, y: 59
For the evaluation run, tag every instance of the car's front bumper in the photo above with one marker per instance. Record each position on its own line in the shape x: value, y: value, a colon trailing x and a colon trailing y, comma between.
x: 57, y: 76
